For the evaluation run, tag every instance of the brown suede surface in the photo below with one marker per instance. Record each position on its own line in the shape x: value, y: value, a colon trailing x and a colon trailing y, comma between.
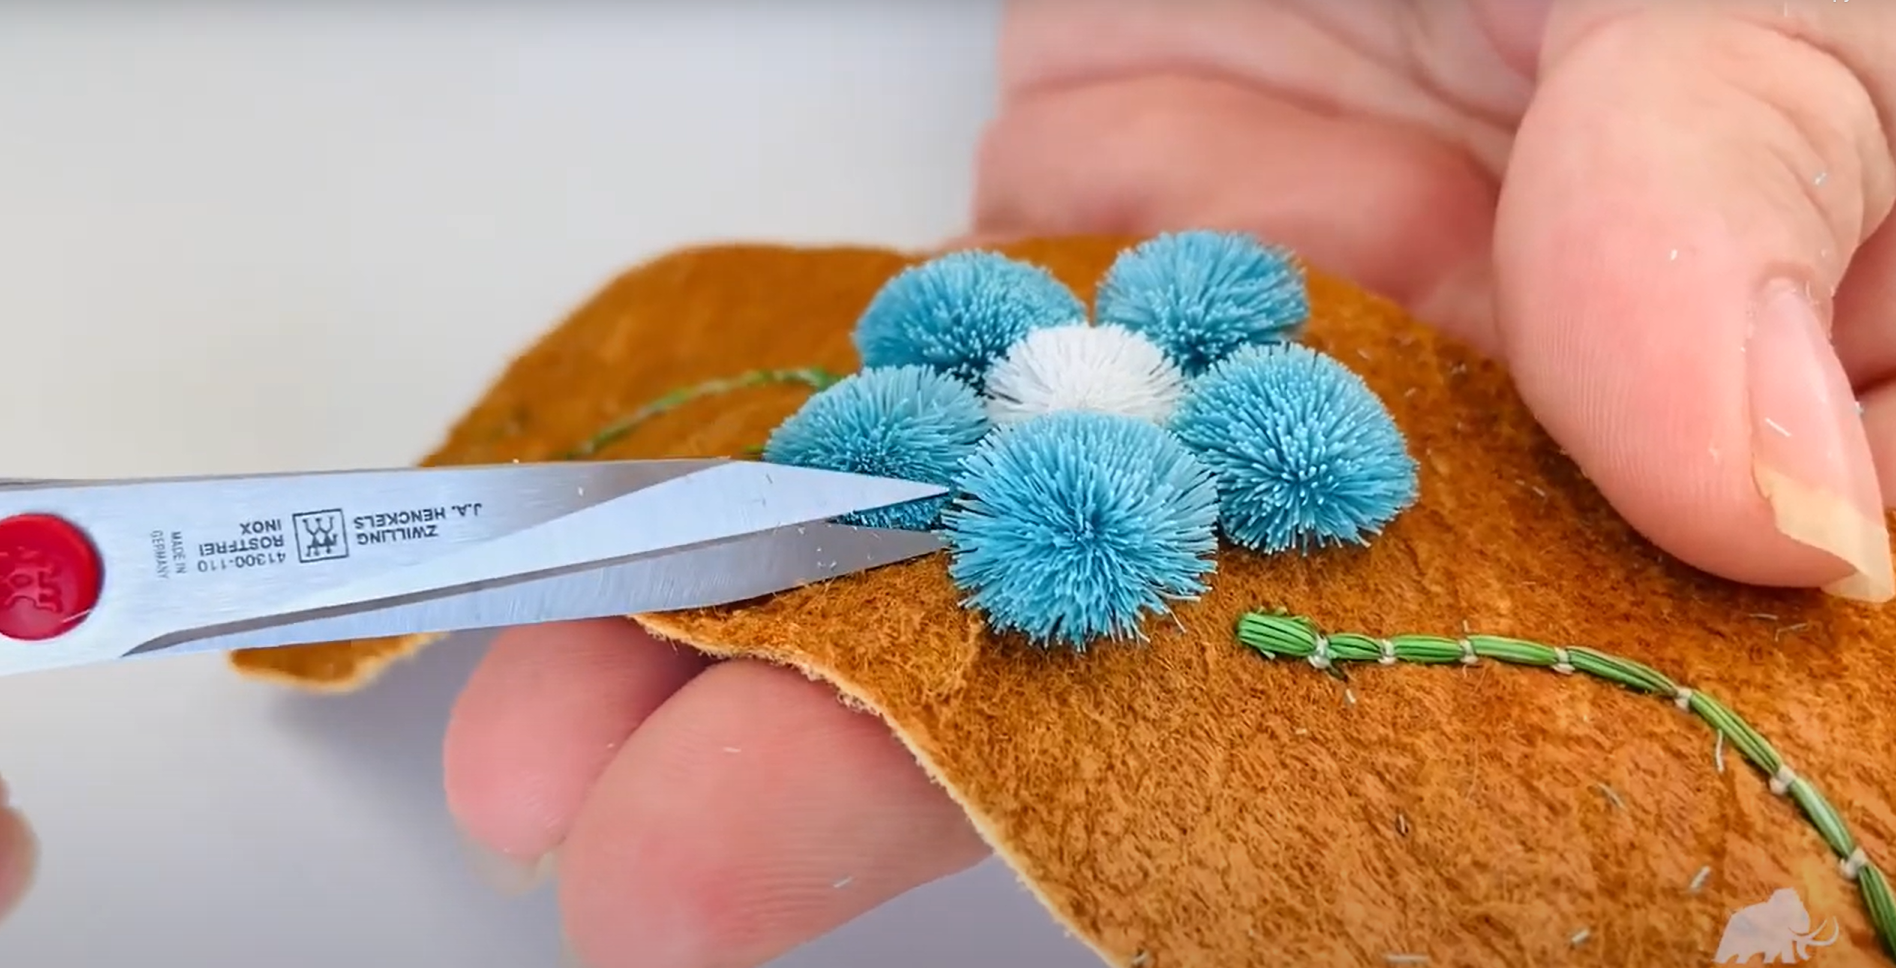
x: 1188, y: 803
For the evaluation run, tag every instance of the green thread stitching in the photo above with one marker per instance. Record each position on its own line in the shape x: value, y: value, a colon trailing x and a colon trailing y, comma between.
x: 816, y: 378
x: 1295, y: 637
x: 1288, y: 636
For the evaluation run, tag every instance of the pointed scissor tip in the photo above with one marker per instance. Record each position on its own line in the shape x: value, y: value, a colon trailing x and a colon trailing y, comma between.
x: 864, y: 492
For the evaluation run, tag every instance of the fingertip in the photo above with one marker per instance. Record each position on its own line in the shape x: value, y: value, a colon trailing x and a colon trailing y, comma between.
x: 1650, y: 205
x: 19, y: 857
x: 753, y: 813
x: 539, y: 720
x: 1810, y: 451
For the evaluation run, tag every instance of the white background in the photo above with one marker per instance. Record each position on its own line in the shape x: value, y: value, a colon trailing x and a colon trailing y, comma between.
x: 264, y: 237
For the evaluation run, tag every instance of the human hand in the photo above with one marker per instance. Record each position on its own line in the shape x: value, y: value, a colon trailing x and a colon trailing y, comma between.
x: 1662, y: 162
x: 1601, y: 193
x: 17, y: 855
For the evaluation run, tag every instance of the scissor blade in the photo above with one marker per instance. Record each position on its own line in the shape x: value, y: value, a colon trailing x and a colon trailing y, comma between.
x: 273, y: 537
x: 718, y: 503
x: 715, y: 574
x: 188, y: 559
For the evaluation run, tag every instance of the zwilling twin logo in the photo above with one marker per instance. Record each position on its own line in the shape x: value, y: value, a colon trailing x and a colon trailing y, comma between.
x: 1776, y: 930
x: 320, y: 536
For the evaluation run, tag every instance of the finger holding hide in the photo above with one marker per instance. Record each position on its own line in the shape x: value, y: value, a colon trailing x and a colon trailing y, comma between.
x: 538, y: 722
x: 19, y: 854
x: 1684, y: 198
x: 752, y: 813
x: 1281, y: 119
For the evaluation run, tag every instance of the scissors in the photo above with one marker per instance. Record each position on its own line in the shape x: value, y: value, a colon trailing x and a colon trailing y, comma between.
x: 101, y: 571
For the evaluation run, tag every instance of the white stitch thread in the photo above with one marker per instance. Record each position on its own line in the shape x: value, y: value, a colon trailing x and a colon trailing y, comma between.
x: 1562, y: 664
x: 1320, y: 656
x: 1852, y: 866
x: 1683, y: 699
x: 1781, y: 783
x: 1699, y: 879
x: 1468, y: 652
x: 1388, y: 653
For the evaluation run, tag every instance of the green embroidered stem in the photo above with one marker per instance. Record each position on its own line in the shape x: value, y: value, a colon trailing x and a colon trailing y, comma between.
x: 815, y: 378
x: 1280, y: 636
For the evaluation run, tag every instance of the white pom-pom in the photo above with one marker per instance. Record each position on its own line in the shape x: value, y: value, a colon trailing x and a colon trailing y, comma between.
x: 1104, y: 369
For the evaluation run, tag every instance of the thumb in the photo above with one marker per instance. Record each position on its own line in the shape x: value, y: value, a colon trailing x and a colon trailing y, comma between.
x: 1684, y: 198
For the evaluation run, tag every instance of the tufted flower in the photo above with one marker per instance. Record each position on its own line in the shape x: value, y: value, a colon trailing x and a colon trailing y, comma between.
x: 958, y: 313
x: 907, y: 422
x: 1105, y: 369
x: 1202, y: 295
x: 1306, y: 454
x: 1074, y: 525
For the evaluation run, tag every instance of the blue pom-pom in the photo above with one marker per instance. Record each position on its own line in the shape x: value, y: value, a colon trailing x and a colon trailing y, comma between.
x: 1306, y: 453
x: 1074, y: 525
x: 960, y: 312
x: 1202, y: 295
x: 907, y: 422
